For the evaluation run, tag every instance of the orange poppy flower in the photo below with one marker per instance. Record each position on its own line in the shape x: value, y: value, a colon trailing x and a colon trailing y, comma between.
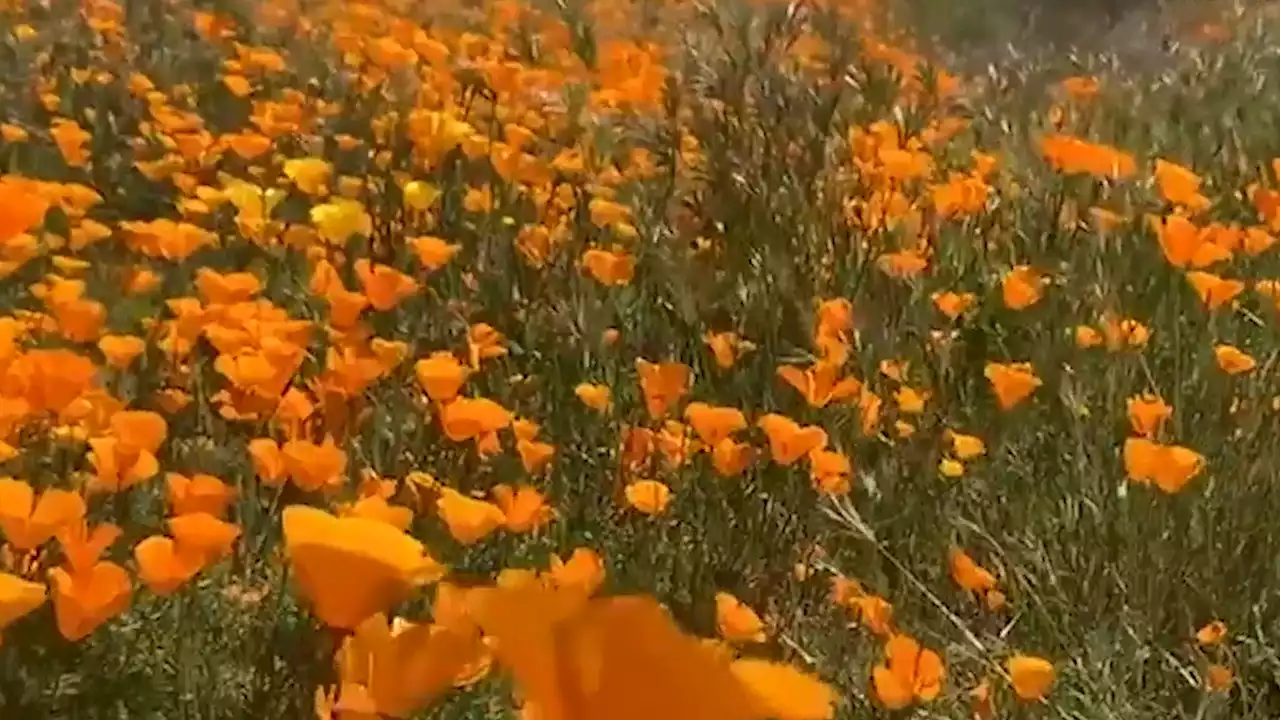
x: 737, y: 622
x: 432, y: 252
x: 830, y: 471
x: 313, y: 467
x: 1213, y: 290
x: 788, y: 440
x: 384, y: 286
x: 1147, y: 413
x: 20, y: 208
x: 1032, y: 677
x: 217, y: 288
x: 198, y: 493
x: 524, y: 508
x: 467, y: 418
x: 87, y: 591
x: 29, y: 524
x: 18, y: 598
x: 1170, y: 467
x: 820, y: 383
x: 975, y: 579
x: 663, y: 384
x: 953, y: 304
x: 612, y: 268
x: 1179, y: 186
x: 584, y: 571
x: 712, y: 423
x: 469, y: 520
x: 1012, y: 382
x: 1232, y: 360
x: 649, y: 497
x: 1211, y: 634
x: 641, y: 665
x: 121, y: 350
x: 396, y: 669
x: 126, y: 456
x: 596, y: 397
x: 199, y: 540
x: 730, y: 457
x: 909, y: 673
x: 268, y: 461
x: 875, y: 612
x: 350, y: 568
x: 1022, y: 287
x: 441, y: 375
x: 1218, y: 678
x: 725, y: 347
x: 484, y: 343
x: 1184, y: 244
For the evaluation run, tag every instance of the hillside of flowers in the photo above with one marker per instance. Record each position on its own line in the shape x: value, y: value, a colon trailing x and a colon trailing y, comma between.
x: 630, y: 359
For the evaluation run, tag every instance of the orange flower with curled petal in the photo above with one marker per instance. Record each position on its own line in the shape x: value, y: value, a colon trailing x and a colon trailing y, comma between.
x: 820, y: 383
x: 48, y: 380
x: 1184, y: 244
x: 1032, y: 677
x: 384, y: 286
x: 199, y: 493
x: 1147, y: 413
x: 217, y: 288
x: 575, y: 657
x: 725, y: 348
x: 975, y: 579
x: 1011, y: 382
x: 484, y: 343
x: 1233, y: 360
x: 121, y: 350
x: 1211, y: 634
x: 350, y: 568
x: 199, y: 540
x: 268, y: 461
x: 1022, y: 287
x: 737, y: 622
x: 1214, y: 291
x: 663, y: 384
x: 583, y: 571
x: 953, y: 304
x: 788, y: 440
x: 398, y: 668
x: 469, y: 418
x: 1170, y: 467
x: 713, y: 423
x: 432, y: 252
x: 87, y: 591
x: 524, y: 508
x: 126, y: 456
x: 441, y: 375
x: 18, y: 598
x: 596, y: 397
x: 908, y: 673
x: 830, y: 471
x: 313, y: 466
x: 649, y: 497
x: 1179, y: 186
x: 730, y: 457
x: 27, y: 523
x: 20, y: 208
x: 534, y: 455
x: 469, y: 520
x: 612, y: 268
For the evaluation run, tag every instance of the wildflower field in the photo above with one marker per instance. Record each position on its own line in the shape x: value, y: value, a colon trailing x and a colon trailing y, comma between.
x: 614, y: 359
